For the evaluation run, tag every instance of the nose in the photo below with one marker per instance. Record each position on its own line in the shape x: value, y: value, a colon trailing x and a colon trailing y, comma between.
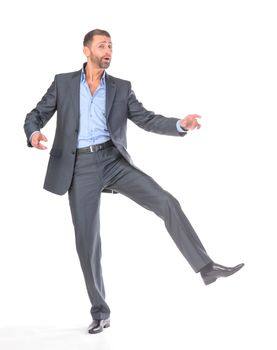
x: 108, y: 52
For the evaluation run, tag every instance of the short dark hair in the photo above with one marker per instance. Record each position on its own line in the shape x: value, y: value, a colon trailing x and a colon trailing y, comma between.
x: 89, y: 36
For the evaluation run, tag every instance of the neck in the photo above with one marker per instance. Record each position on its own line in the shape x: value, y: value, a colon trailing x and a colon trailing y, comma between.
x: 93, y: 73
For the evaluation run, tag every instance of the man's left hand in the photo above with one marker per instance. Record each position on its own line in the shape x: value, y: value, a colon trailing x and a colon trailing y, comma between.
x: 190, y: 122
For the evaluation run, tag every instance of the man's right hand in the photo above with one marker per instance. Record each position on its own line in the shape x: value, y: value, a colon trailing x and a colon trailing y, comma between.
x: 36, y: 138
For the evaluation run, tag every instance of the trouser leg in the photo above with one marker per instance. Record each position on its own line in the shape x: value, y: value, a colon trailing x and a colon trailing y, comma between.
x: 141, y: 188
x: 84, y: 199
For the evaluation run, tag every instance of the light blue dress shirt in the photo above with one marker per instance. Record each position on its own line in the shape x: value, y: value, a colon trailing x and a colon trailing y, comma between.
x: 93, y: 126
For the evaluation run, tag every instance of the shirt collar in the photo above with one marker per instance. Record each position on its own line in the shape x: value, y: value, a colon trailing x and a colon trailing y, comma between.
x: 83, y: 76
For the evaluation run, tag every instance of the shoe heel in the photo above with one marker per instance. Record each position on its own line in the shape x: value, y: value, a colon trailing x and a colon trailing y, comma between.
x: 209, y: 280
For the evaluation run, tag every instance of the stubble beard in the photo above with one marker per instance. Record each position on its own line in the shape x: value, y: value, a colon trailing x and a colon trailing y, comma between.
x: 101, y: 63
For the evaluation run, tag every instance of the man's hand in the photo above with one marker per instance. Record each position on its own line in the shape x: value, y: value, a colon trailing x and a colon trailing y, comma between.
x: 36, y: 138
x: 190, y: 122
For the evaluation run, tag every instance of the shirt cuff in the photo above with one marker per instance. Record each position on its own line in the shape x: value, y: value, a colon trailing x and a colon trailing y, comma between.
x: 179, y: 128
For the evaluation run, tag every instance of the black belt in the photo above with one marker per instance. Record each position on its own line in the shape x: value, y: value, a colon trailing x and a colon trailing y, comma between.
x: 95, y: 148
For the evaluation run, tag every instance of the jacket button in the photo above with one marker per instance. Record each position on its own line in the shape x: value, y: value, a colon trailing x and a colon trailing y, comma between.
x: 73, y: 152
x: 76, y: 130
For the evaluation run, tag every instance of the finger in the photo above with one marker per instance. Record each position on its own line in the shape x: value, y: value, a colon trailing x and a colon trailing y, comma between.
x: 43, y: 138
x: 196, y: 116
x: 37, y: 144
x: 40, y: 137
x: 195, y: 124
x: 41, y: 146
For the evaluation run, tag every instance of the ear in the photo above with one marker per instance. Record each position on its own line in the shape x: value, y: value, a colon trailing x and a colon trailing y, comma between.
x: 86, y: 51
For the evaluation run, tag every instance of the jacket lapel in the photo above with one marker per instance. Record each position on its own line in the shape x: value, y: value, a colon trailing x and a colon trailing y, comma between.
x: 75, y: 93
x: 110, y: 93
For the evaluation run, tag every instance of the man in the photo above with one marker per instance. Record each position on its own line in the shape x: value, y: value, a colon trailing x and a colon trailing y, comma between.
x: 89, y: 156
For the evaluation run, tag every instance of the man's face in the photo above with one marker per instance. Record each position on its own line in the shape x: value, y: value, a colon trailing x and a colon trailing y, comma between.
x: 100, y: 51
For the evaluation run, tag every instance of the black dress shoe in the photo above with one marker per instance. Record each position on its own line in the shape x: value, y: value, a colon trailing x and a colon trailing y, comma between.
x: 213, y: 271
x: 98, y: 326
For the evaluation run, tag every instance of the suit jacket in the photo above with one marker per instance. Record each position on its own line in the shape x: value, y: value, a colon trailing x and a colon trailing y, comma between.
x: 63, y: 96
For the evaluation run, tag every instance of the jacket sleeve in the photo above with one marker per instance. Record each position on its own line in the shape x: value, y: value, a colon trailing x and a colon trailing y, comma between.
x: 41, y: 114
x: 150, y: 121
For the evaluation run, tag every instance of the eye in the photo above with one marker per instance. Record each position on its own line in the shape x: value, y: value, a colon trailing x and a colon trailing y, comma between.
x: 101, y: 46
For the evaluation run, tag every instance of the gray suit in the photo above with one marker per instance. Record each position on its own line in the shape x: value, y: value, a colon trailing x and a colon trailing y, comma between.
x: 63, y: 96
x: 85, y: 176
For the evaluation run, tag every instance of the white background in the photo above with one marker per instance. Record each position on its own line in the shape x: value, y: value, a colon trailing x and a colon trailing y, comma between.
x: 214, y: 58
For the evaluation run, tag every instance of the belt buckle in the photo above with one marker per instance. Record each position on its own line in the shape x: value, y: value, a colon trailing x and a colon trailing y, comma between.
x: 91, y: 148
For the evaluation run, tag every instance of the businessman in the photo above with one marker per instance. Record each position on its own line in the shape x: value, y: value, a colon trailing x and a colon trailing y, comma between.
x: 89, y: 156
